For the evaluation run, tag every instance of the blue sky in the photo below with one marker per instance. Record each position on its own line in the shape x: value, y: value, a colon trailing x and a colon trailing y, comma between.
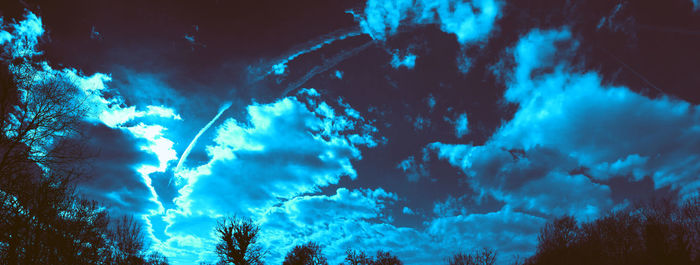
x: 420, y: 127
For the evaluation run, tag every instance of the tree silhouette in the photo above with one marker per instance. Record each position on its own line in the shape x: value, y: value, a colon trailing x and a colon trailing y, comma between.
x: 307, y: 254
x: 386, y: 258
x: 156, y: 258
x: 127, y: 241
x: 658, y: 232
x: 43, y: 219
x: 484, y: 256
x: 238, y: 241
x: 358, y: 257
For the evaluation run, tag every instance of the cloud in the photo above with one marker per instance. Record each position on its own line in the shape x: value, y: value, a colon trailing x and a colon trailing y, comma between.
x: 571, y: 133
x: 315, y: 218
x: 419, y: 122
x: 280, y: 67
x: 431, y: 102
x: 414, y: 170
x: 407, y: 60
x: 94, y: 34
x: 461, y: 124
x: 284, y: 149
x: 20, y: 39
x: 128, y: 144
x: 114, y: 177
x: 364, y: 224
x: 510, y: 232
x: 469, y: 21
x: 338, y: 74
x: 657, y: 136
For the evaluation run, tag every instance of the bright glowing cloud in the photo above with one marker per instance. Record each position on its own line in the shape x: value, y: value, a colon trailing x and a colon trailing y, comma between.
x: 285, y: 148
x: 22, y: 37
x: 469, y: 21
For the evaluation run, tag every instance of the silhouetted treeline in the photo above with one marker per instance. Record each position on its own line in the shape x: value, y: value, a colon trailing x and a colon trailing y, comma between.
x: 658, y: 232
x: 43, y: 219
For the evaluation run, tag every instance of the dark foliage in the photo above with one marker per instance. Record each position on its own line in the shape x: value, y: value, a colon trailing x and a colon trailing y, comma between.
x: 307, y: 254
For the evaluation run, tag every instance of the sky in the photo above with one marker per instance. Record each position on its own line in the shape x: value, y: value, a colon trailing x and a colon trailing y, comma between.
x: 424, y: 128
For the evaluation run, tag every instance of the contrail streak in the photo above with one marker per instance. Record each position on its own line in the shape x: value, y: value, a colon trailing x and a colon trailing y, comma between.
x: 633, y: 71
x: 305, y: 48
x: 223, y: 108
x: 324, y: 67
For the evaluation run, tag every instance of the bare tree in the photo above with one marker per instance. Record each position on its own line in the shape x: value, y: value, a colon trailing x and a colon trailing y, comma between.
x: 238, y: 238
x: 127, y: 240
x: 484, y: 256
x: 156, y: 258
x: 357, y: 257
x: 307, y: 254
x: 386, y: 258
x: 42, y: 219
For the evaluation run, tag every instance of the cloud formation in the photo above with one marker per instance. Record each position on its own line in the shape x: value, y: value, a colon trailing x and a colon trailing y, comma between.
x: 286, y: 148
x: 560, y: 138
x: 128, y: 143
x: 461, y: 124
x: 20, y: 39
x: 469, y: 21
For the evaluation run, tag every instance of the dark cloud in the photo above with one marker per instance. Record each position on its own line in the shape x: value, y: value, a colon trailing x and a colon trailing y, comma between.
x: 113, y: 177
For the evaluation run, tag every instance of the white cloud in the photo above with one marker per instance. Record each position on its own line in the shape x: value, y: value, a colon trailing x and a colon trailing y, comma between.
x: 600, y: 126
x: 571, y: 132
x: 511, y: 233
x: 469, y: 21
x: 286, y: 148
x: 20, y: 39
x: 364, y: 225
